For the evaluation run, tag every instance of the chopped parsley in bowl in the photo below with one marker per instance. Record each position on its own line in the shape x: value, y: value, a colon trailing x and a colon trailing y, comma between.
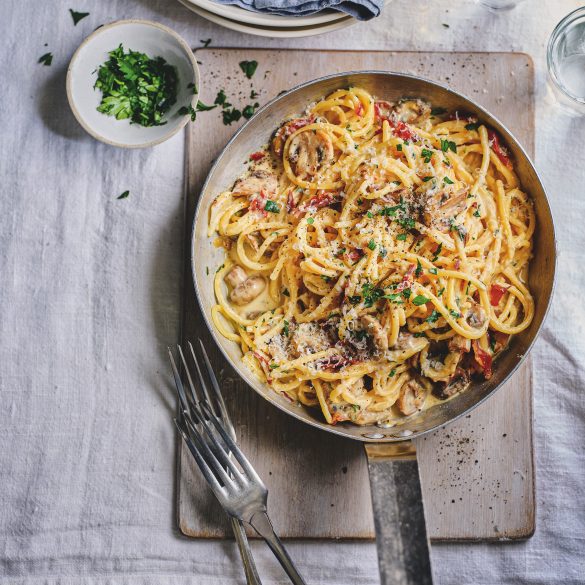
x: 129, y: 82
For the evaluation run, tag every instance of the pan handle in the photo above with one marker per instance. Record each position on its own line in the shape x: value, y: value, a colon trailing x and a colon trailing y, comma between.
x: 399, y: 517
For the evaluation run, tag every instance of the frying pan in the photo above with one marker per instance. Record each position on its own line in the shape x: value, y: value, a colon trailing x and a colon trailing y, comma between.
x: 402, y: 542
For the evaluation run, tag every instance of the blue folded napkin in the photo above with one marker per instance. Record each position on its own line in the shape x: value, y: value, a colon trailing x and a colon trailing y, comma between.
x: 360, y: 9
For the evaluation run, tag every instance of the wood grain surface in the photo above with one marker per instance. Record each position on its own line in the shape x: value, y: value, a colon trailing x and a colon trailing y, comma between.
x: 477, y: 473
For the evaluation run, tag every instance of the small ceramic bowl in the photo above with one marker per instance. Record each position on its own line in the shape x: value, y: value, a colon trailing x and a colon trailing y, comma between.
x: 138, y: 35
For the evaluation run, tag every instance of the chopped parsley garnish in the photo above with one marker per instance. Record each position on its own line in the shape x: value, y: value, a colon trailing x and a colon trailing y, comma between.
x: 394, y: 297
x: 401, y: 237
x: 433, y: 270
x: 369, y: 215
x: 438, y: 111
x: 193, y: 87
x: 285, y: 292
x: 472, y: 126
x: 192, y: 111
x: 77, y: 16
x: 136, y: 87
x: 426, y: 179
x: 355, y: 299
x: 249, y: 68
x: 447, y: 180
x: 249, y: 110
x: 426, y: 154
x: 231, y: 115
x: 371, y: 294
x: 392, y: 373
x: 46, y: 59
x: 399, y: 147
x: 205, y: 42
x: 477, y: 213
x: 382, y: 252
x: 454, y: 314
x: 437, y: 252
x: 420, y: 300
x: 459, y: 229
x: 433, y: 317
x: 372, y: 245
x: 418, y: 270
x: 271, y: 206
x: 285, y: 329
x: 274, y: 366
x: 325, y: 278
x: 448, y: 145
x: 440, y: 293
x: 123, y: 195
x: 406, y: 293
x: 310, y: 220
x: 221, y: 98
x: 340, y: 252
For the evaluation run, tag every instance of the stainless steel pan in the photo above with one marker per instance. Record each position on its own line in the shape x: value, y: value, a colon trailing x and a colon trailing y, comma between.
x: 396, y: 494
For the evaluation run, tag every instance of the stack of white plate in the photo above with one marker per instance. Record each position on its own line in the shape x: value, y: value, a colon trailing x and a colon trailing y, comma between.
x: 269, y: 25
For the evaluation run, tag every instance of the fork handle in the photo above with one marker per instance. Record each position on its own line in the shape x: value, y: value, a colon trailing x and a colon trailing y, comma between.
x: 252, y: 577
x: 260, y: 522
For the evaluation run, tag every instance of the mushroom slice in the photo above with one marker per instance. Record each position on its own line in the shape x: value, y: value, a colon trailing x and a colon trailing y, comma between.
x: 406, y: 346
x: 458, y: 382
x: 309, y: 151
x: 374, y: 328
x: 442, y: 206
x: 235, y: 276
x: 476, y: 316
x: 459, y: 343
x: 412, y: 397
x: 246, y: 291
x: 256, y: 182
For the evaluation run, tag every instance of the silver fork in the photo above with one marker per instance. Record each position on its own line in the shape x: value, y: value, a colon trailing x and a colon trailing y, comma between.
x: 239, y: 489
x: 190, y: 398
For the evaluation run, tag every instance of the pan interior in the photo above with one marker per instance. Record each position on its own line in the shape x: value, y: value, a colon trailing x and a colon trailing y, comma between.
x: 390, y: 86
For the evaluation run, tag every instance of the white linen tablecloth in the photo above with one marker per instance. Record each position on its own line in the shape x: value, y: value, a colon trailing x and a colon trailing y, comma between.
x: 90, y: 297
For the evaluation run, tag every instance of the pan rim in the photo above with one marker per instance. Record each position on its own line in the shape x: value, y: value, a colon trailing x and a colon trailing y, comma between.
x: 240, y: 368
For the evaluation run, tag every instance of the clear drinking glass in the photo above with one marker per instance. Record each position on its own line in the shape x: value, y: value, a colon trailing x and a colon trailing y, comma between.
x: 566, y: 61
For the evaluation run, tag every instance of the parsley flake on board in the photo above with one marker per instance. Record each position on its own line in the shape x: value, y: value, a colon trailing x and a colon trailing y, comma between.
x: 205, y: 42
x: 249, y: 110
x: 46, y: 59
x: 137, y: 87
x: 249, y: 68
x: 123, y: 195
x: 77, y: 16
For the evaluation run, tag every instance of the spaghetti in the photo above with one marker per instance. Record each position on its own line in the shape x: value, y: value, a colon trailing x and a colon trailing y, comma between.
x: 376, y: 257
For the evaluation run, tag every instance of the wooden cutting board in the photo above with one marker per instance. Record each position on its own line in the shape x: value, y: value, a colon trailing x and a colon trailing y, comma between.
x: 477, y: 473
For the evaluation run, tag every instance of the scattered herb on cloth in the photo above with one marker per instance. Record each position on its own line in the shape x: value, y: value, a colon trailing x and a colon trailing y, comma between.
x: 123, y: 195
x: 77, y: 16
x: 136, y: 87
x: 249, y: 68
x: 46, y: 59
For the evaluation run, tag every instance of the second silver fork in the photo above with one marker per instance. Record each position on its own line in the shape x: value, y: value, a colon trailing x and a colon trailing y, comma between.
x: 218, y: 407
